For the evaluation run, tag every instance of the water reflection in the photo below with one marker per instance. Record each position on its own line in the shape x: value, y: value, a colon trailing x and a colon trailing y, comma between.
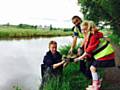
x: 20, y: 62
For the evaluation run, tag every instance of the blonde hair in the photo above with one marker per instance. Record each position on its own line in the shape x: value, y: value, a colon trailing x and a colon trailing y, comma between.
x: 88, y: 23
x: 92, y: 24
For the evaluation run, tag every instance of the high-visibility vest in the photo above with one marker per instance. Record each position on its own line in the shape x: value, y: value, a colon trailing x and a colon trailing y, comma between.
x: 76, y: 29
x: 104, y: 48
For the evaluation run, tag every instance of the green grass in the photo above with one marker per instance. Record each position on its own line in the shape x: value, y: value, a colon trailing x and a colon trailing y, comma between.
x: 115, y: 38
x: 72, y: 80
x: 14, y: 32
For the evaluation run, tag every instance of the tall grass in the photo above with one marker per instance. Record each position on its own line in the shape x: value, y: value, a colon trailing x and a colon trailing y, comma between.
x: 72, y: 79
x: 14, y: 32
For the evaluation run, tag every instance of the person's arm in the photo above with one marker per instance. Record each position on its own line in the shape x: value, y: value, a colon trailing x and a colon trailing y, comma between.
x: 47, y: 61
x: 73, y: 44
x: 76, y: 35
x: 81, y: 57
x: 58, y: 64
x: 65, y: 64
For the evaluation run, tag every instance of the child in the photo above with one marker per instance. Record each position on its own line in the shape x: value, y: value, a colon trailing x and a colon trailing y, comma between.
x: 95, y: 45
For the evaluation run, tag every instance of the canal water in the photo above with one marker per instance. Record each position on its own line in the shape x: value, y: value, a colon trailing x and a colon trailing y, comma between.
x: 20, y: 62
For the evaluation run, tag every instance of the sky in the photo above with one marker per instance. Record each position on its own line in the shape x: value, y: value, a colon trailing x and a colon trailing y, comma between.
x: 39, y: 12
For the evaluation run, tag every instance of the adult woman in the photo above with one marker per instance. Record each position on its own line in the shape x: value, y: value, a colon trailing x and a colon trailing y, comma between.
x: 95, y: 45
x: 53, y: 64
x: 53, y: 59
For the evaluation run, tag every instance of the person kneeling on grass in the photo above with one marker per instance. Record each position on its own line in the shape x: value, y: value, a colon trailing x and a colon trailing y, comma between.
x: 98, y: 47
x: 53, y: 63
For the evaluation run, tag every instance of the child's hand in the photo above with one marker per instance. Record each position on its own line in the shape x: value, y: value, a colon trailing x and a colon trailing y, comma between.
x: 76, y: 59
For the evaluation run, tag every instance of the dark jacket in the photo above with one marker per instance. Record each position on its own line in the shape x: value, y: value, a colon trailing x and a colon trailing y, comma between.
x: 49, y: 60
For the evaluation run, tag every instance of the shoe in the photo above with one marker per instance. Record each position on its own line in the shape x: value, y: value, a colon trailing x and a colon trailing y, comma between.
x: 90, y: 87
x: 100, y: 82
x: 95, y: 85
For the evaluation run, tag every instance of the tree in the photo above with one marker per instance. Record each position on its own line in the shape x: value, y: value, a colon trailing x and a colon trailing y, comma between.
x: 102, y: 10
x: 51, y: 27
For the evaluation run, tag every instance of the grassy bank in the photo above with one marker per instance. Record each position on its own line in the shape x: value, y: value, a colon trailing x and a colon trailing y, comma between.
x: 14, y: 32
x: 72, y: 78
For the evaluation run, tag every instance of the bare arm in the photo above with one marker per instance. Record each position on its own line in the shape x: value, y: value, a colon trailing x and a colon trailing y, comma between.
x: 73, y: 43
x: 81, y: 57
x: 58, y: 64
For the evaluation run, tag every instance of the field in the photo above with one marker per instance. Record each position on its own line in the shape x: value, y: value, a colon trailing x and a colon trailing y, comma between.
x: 15, y: 32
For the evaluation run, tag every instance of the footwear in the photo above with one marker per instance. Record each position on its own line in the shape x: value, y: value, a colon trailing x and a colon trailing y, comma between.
x: 90, y: 87
x: 95, y: 85
x: 97, y: 82
x: 100, y: 82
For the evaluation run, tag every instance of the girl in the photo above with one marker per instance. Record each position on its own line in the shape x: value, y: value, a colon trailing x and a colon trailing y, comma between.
x: 95, y: 45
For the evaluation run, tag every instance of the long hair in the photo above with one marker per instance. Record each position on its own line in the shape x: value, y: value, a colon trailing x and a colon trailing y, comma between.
x: 88, y: 23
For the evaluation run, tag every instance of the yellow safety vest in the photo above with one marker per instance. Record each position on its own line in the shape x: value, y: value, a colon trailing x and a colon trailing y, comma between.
x: 104, y: 49
x: 76, y: 29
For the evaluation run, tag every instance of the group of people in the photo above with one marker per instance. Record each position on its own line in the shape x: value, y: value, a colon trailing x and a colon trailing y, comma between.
x: 96, y: 51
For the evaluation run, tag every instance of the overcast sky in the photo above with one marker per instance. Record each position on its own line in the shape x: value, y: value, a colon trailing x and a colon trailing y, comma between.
x: 39, y: 12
